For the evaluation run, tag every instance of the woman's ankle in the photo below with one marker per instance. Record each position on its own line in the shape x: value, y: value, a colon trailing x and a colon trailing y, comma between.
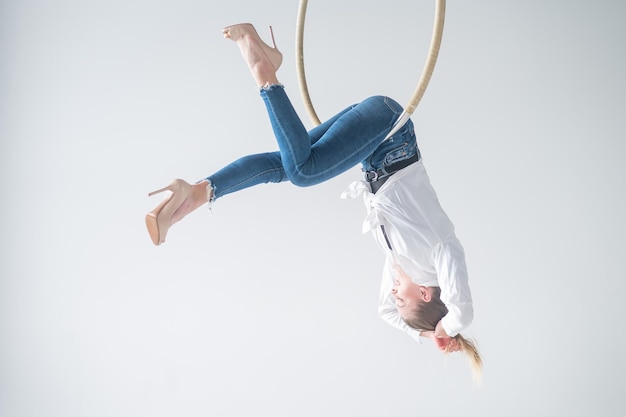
x: 263, y: 72
x: 201, y: 193
x: 265, y: 80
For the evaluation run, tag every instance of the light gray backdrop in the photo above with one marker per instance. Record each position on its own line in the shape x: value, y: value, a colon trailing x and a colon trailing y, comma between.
x: 267, y: 305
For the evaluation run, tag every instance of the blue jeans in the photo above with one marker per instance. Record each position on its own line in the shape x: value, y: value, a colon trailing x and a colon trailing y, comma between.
x: 353, y: 136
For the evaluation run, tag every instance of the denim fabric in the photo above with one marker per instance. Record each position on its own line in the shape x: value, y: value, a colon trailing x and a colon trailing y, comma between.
x: 353, y: 136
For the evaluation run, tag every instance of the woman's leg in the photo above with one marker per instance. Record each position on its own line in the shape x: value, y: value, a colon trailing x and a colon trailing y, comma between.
x: 245, y: 172
x: 338, y: 145
x: 312, y: 157
x: 305, y: 158
x: 257, y: 169
x: 333, y: 148
x: 253, y: 169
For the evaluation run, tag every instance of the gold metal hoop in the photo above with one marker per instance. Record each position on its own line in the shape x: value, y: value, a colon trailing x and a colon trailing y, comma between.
x: 429, y: 66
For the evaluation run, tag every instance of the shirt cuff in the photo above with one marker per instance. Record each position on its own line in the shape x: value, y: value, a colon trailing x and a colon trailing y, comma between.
x: 450, y: 331
x: 417, y: 335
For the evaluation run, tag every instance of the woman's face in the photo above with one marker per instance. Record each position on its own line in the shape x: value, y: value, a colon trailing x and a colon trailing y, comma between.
x: 406, y: 292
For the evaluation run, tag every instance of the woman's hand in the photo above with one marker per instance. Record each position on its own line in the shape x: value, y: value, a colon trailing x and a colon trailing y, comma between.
x: 441, y: 342
x: 441, y: 339
x: 444, y: 344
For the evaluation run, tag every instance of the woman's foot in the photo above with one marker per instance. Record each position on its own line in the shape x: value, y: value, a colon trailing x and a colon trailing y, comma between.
x: 201, y: 193
x: 262, y: 59
x: 184, y: 199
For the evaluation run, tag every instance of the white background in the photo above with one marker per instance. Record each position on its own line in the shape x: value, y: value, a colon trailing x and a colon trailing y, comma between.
x: 267, y: 305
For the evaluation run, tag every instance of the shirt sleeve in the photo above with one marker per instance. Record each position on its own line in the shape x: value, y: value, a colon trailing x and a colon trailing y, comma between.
x: 387, y: 307
x: 449, y: 261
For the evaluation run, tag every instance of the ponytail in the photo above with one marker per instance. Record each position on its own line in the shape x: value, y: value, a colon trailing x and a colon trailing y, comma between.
x: 476, y: 362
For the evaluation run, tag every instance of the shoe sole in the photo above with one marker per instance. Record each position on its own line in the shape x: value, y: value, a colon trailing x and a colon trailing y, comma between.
x: 153, y: 229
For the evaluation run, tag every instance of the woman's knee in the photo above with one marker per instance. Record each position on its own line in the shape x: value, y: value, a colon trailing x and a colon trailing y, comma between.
x: 374, y: 101
x: 300, y: 180
x: 303, y: 176
x: 380, y: 108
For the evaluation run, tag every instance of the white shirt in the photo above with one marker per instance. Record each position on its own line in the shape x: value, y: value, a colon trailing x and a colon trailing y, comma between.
x: 422, y: 243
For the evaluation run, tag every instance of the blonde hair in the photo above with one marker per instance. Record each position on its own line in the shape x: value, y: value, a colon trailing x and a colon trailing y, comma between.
x: 468, y: 347
x: 425, y: 317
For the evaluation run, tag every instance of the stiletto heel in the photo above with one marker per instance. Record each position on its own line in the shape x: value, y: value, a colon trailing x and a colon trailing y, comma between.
x: 159, y: 220
x: 273, y: 40
x: 272, y: 54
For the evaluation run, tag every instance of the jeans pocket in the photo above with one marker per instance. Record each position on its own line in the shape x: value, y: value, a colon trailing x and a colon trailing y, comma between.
x: 407, y: 147
x: 397, y: 155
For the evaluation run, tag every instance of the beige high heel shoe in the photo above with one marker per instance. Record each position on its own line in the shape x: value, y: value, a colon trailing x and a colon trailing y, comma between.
x: 237, y: 31
x: 159, y: 220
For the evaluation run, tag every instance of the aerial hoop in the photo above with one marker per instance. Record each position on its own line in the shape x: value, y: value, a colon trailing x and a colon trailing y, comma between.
x: 429, y: 66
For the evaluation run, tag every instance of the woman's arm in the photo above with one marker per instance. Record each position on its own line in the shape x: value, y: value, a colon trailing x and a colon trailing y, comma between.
x: 449, y: 262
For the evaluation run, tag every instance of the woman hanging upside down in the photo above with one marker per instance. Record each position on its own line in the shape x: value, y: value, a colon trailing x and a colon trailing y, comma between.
x: 425, y: 289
